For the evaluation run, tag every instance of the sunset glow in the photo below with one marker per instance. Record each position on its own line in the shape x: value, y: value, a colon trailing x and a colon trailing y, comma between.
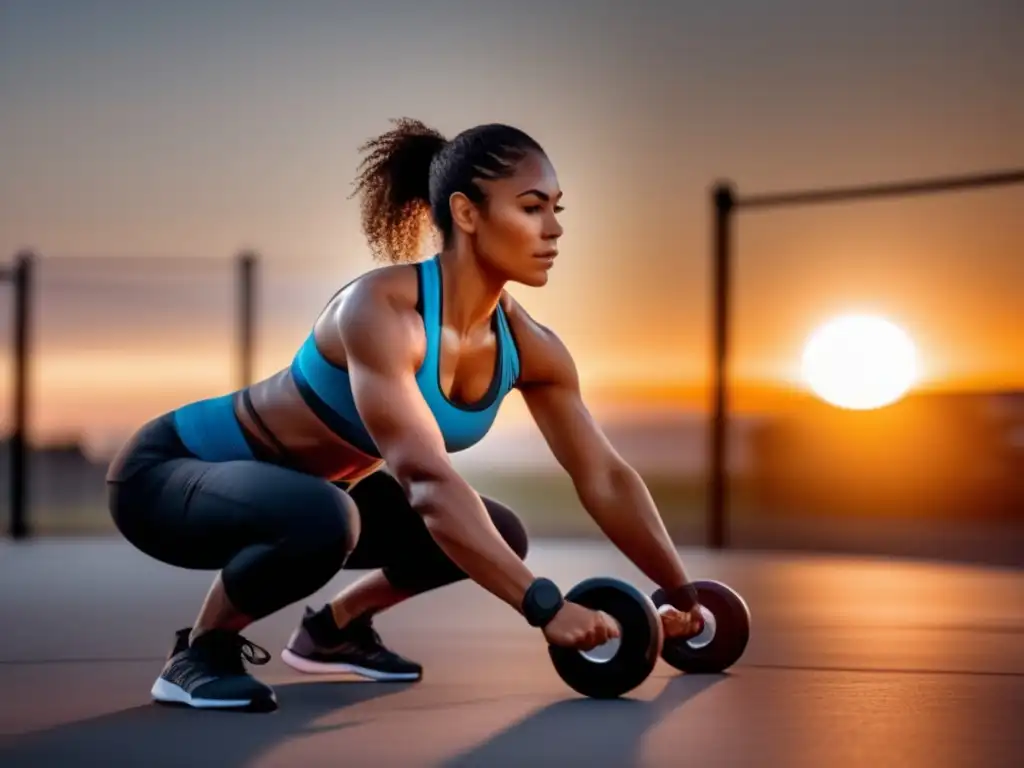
x: 203, y: 129
x: 860, y: 362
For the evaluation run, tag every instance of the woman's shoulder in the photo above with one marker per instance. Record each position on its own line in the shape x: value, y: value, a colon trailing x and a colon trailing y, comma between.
x: 378, y: 308
x: 539, y: 346
x: 382, y: 298
x: 394, y: 286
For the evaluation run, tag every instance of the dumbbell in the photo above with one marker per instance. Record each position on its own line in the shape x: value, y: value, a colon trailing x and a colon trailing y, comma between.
x: 623, y: 663
x: 724, y: 637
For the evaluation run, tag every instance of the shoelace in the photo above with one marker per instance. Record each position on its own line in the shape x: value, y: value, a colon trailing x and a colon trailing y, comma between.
x: 229, y: 650
x: 254, y: 654
x: 366, y: 637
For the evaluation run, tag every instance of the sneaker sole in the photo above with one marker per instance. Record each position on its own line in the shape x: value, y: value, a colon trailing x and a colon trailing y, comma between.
x: 323, y: 668
x: 166, y: 692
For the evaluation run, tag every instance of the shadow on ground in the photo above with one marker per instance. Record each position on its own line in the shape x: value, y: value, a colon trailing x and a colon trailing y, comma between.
x: 572, y: 731
x: 582, y: 731
x: 153, y: 735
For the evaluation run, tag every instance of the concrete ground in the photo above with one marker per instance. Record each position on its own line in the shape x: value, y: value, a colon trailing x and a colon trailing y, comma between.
x: 852, y: 662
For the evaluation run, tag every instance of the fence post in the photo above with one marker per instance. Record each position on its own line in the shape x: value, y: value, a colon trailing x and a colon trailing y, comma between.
x: 247, y: 264
x: 21, y: 276
x: 723, y: 201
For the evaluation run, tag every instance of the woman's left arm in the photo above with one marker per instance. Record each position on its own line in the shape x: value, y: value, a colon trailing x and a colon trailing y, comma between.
x: 611, y: 491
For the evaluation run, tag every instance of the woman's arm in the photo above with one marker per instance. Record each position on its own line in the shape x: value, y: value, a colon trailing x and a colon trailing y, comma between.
x: 381, y: 348
x: 611, y: 491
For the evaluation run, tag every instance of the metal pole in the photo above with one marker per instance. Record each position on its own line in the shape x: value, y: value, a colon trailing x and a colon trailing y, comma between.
x: 723, y: 200
x: 246, y: 316
x: 893, y: 189
x: 22, y: 278
x: 726, y: 203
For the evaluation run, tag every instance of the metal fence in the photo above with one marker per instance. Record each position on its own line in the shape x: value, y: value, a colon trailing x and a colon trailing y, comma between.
x: 995, y: 428
x: 233, y: 287
x: 696, y: 500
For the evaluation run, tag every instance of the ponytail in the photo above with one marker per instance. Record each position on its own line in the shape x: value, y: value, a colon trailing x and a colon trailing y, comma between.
x: 393, y: 183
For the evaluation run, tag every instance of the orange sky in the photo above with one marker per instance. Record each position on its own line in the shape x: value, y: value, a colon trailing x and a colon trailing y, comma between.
x: 191, y: 130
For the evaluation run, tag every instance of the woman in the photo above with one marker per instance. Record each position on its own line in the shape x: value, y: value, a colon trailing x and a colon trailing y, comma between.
x: 281, y: 484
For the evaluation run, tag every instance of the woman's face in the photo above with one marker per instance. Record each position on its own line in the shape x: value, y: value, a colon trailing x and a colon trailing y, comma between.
x: 516, y: 230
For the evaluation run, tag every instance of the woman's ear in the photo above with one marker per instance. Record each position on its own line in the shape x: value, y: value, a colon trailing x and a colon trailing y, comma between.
x: 464, y: 212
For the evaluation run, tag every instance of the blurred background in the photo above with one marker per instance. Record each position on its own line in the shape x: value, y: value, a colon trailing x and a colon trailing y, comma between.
x: 144, y: 146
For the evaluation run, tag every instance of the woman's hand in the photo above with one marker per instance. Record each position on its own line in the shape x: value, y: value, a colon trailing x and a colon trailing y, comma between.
x: 575, y: 626
x: 681, y: 625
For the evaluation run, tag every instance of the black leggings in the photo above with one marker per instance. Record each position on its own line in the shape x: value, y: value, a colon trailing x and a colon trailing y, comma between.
x: 277, y: 535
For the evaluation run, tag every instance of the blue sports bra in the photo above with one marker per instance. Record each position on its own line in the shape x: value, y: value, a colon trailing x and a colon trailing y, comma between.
x: 209, y: 429
x: 326, y: 388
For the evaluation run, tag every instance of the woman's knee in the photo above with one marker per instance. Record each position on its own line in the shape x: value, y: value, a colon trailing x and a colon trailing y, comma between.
x: 307, y: 523
x: 509, y: 526
x: 430, y: 568
x: 327, y: 518
x: 267, y: 576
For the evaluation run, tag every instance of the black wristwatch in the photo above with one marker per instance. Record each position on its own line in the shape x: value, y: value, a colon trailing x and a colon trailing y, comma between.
x: 541, y: 602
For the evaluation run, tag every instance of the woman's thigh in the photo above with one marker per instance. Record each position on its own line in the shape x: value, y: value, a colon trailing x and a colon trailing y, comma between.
x: 196, y: 514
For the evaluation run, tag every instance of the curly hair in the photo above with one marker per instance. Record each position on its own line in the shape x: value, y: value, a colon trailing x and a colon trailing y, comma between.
x: 409, y: 173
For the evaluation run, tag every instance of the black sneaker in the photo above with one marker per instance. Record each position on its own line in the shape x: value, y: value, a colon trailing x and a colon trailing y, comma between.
x: 319, y: 647
x: 210, y: 674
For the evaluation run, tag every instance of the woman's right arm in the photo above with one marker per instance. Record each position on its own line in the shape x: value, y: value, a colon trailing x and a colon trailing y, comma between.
x: 380, y: 344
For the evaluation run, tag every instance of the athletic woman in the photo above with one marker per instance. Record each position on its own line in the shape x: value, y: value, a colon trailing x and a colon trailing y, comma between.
x: 341, y: 459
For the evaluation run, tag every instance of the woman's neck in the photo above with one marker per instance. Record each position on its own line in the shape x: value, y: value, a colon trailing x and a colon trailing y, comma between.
x: 471, y: 292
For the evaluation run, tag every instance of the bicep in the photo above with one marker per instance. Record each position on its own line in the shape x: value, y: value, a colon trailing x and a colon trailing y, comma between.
x: 397, y: 419
x: 381, y: 356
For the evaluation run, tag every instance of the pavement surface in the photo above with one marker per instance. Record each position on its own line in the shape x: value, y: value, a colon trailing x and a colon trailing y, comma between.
x: 852, y: 662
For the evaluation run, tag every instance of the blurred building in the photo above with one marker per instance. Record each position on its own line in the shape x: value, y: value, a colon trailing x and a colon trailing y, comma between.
x: 937, y: 455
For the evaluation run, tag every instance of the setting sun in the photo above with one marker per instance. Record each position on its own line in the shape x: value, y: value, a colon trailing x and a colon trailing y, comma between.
x: 860, y: 362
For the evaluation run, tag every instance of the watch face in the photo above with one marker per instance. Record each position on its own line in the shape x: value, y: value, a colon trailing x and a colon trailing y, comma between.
x: 548, y: 597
